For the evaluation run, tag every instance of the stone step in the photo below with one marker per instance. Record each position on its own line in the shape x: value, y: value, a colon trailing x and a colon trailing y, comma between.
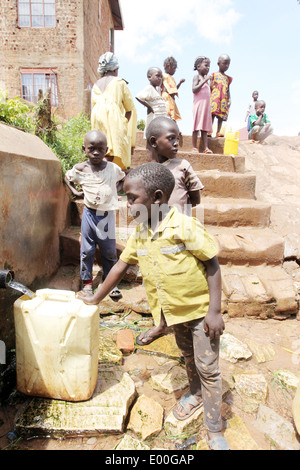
x: 229, y: 212
x: 222, y: 211
x: 258, y: 291
x: 199, y: 161
x: 247, y: 246
x: 237, y: 246
x: 226, y: 184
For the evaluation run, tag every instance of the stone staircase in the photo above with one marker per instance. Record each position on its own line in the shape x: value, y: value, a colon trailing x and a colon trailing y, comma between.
x: 250, y: 254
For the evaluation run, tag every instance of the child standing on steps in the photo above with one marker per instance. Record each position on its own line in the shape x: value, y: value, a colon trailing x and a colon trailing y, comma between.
x: 201, y: 104
x: 220, y: 93
x: 170, y: 89
x: 99, y: 179
x: 151, y: 97
x: 177, y: 258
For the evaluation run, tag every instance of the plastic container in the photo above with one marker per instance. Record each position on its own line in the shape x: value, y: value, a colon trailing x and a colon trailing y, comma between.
x: 57, y: 343
x: 231, y: 144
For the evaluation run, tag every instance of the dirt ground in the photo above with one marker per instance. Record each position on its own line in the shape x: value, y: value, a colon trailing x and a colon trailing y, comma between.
x: 283, y: 337
x: 277, y: 166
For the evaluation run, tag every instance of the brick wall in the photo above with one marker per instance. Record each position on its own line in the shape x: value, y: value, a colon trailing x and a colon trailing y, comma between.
x: 72, y: 47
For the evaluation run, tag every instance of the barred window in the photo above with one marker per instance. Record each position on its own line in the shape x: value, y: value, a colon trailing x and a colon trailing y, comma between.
x: 36, y: 13
x: 37, y: 81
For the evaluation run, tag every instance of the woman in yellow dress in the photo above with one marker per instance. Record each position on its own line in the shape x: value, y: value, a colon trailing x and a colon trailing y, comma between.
x: 113, y: 111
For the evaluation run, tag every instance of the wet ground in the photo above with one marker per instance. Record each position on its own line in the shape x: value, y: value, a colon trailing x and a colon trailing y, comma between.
x: 282, y: 336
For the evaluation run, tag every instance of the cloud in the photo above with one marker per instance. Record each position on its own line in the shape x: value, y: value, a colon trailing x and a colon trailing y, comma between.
x: 171, y: 25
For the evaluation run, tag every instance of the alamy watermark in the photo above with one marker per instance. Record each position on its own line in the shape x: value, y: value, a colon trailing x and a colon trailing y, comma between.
x: 2, y: 353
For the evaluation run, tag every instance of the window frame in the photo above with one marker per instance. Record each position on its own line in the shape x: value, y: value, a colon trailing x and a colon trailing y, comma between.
x: 29, y: 3
x: 41, y: 71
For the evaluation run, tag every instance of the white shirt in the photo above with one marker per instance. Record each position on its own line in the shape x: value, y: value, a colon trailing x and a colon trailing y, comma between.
x: 99, y: 188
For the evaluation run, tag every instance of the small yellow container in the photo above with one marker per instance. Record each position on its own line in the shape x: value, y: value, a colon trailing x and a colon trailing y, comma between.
x: 57, y: 343
x: 231, y: 143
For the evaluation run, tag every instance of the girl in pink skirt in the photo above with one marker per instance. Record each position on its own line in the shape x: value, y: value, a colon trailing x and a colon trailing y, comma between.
x: 201, y: 104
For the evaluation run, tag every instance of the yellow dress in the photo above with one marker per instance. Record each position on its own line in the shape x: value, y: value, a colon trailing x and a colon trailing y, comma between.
x: 170, y: 88
x: 108, y: 116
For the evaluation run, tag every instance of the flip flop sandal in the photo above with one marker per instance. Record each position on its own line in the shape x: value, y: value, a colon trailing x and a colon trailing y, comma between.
x: 87, y: 290
x: 218, y: 443
x: 115, y: 294
x: 187, y: 399
x: 195, y: 150
x: 207, y: 151
x: 150, y: 340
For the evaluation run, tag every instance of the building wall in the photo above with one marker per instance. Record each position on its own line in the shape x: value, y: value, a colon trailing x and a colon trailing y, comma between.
x: 72, y: 47
x: 98, y: 22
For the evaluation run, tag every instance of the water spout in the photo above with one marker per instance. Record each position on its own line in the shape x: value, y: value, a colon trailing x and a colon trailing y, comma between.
x: 7, y: 280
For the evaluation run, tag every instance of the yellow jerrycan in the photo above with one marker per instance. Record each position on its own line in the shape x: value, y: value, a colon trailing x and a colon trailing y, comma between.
x: 231, y: 143
x: 57, y: 343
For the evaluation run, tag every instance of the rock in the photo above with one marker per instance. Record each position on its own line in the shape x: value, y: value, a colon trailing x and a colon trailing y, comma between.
x: 108, y: 351
x: 232, y: 349
x: 287, y: 378
x: 166, y: 346
x: 280, y: 431
x: 129, y: 443
x: 253, y: 388
x: 104, y: 412
x: 238, y: 436
x: 146, y: 417
x: 292, y: 246
x: 125, y: 341
x: 169, y: 378
x: 262, y: 352
x: 296, y: 409
x: 202, y: 445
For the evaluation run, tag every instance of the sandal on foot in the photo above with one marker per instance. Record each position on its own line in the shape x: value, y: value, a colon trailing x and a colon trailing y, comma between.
x: 115, y: 294
x: 218, y: 443
x: 86, y: 290
x: 149, y: 338
x: 186, y: 402
x: 195, y: 150
x: 207, y: 151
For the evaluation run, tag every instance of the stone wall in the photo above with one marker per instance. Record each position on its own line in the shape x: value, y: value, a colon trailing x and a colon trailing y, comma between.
x: 33, y: 211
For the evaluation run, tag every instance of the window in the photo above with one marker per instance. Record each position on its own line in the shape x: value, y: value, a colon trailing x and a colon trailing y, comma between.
x: 36, y: 13
x: 36, y: 80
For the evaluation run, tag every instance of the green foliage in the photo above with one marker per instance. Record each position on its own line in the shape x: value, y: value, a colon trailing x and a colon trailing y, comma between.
x: 68, y: 140
x: 141, y: 125
x: 16, y: 113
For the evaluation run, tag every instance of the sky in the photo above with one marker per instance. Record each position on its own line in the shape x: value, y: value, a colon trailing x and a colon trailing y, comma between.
x: 262, y: 38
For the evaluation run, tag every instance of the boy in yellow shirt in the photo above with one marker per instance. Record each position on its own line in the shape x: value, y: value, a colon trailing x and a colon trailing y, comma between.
x: 177, y: 258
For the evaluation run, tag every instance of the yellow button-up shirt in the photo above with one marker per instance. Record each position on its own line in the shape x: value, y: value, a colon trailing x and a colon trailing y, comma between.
x: 171, y: 263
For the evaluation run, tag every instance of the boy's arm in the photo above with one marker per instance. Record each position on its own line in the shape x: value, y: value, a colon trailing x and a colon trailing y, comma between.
x: 213, y: 322
x: 194, y: 197
x: 71, y: 186
x: 149, y: 109
x: 113, y: 278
